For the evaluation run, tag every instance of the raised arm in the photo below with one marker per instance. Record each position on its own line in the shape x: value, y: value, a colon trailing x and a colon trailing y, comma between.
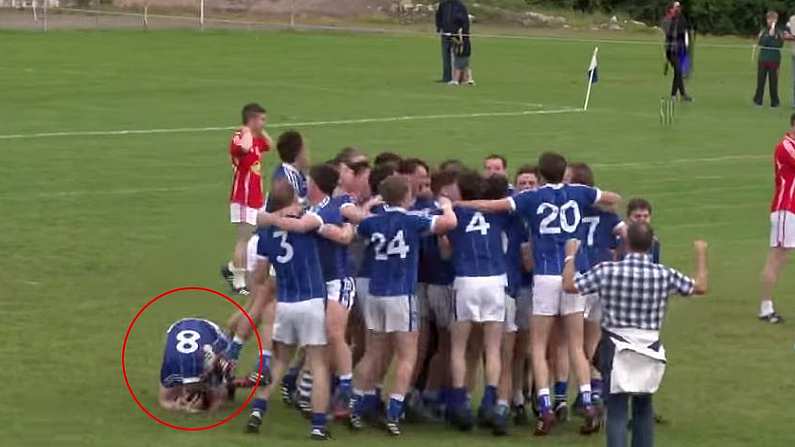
x: 307, y: 223
x: 447, y: 221
x: 702, y: 272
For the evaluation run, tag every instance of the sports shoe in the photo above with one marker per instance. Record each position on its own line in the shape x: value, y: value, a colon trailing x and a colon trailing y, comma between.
x: 453, y: 82
x: 485, y: 417
x: 418, y: 412
x: 392, y: 427
x: 471, y: 82
x: 461, y: 418
x: 561, y: 411
x: 243, y: 291
x: 593, y: 420
x: 227, y: 275
x: 544, y: 424
x: 520, y: 415
x: 499, y: 420
x: 319, y: 434
x: 254, y: 422
x: 356, y: 422
x: 772, y: 318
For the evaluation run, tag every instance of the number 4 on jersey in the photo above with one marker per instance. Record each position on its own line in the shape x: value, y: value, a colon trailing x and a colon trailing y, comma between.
x: 478, y: 223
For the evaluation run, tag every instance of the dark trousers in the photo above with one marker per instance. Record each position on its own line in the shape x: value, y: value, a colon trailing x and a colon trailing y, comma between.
x: 447, y: 59
x: 767, y: 70
x: 678, y: 84
x: 618, y: 405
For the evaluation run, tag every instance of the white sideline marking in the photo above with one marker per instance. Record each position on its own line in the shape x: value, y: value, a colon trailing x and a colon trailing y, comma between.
x: 657, y: 164
x: 98, y: 133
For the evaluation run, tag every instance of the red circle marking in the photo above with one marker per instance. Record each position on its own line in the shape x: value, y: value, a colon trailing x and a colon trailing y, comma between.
x: 124, y: 367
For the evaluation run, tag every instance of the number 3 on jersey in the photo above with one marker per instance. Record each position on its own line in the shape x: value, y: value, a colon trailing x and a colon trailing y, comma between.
x: 478, y: 223
x: 558, y: 220
x: 288, y: 248
x: 397, y: 246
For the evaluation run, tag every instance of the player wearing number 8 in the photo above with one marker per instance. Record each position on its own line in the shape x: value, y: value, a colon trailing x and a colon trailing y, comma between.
x: 554, y: 213
x: 391, y: 312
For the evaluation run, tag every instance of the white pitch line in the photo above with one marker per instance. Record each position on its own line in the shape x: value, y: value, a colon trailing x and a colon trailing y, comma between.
x: 99, y: 133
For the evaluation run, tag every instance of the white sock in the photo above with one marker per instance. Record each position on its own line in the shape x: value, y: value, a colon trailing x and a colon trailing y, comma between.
x: 502, y: 402
x: 766, y: 308
x: 397, y: 397
x: 238, y: 278
x: 518, y: 398
x: 543, y: 392
x: 585, y: 388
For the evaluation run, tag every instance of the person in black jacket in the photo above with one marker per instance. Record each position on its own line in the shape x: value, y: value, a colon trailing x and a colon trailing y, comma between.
x: 452, y: 17
x: 676, y: 45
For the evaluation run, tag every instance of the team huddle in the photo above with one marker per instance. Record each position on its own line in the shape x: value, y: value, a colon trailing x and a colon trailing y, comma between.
x: 449, y: 277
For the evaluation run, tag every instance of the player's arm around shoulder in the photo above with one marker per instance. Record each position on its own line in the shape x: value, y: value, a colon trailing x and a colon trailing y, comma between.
x: 341, y: 234
x: 307, y: 223
x: 447, y: 221
x: 607, y: 200
x: 489, y: 206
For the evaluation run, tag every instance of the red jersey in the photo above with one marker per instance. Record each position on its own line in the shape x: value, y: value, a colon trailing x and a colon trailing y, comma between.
x: 247, y: 180
x: 784, y: 160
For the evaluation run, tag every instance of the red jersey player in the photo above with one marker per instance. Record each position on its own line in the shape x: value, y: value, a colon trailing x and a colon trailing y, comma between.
x: 782, y: 219
x: 246, y: 148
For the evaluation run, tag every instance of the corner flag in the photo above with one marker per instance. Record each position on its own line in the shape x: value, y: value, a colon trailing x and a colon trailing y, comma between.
x: 593, y: 76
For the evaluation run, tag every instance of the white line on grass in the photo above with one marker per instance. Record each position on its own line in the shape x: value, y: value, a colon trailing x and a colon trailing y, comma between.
x: 99, y: 133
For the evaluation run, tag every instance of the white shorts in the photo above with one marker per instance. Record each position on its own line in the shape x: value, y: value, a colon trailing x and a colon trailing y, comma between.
x: 301, y: 324
x: 593, y: 308
x: 423, y: 308
x: 524, y: 309
x: 510, y: 315
x: 479, y: 299
x: 242, y: 214
x: 251, y: 253
x: 550, y: 300
x: 782, y: 229
x: 440, y: 302
x: 341, y: 291
x: 387, y: 314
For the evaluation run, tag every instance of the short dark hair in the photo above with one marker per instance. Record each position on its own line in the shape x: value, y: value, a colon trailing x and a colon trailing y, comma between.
x: 451, y: 165
x: 348, y: 154
x: 498, y: 157
x: 387, y: 157
x: 289, y: 145
x: 379, y: 174
x: 552, y: 167
x: 495, y: 187
x: 527, y: 169
x: 281, y: 195
x: 442, y: 178
x: 408, y: 166
x: 394, y: 189
x: 470, y: 183
x: 581, y: 174
x: 250, y: 111
x: 638, y: 204
x: 640, y: 237
x: 325, y: 176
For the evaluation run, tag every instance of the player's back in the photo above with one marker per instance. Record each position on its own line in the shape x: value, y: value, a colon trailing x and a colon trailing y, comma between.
x: 333, y: 256
x: 394, y: 241
x: 597, y: 234
x: 554, y: 214
x: 295, y: 258
x: 186, y: 342
x: 784, y: 164
x: 294, y: 177
x: 478, y: 248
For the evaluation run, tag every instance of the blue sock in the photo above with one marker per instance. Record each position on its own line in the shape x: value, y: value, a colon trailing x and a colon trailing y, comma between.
x: 544, y: 402
x: 233, y: 350
x: 357, y: 402
x: 319, y: 420
x: 259, y: 406
x: 489, y: 396
x: 458, y: 397
x: 369, y: 404
x: 596, y: 390
x: 561, y: 391
x: 345, y: 385
x: 395, y: 409
x: 586, y: 399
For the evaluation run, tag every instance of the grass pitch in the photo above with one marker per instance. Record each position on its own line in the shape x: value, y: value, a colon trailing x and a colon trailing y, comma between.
x: 92, y: 226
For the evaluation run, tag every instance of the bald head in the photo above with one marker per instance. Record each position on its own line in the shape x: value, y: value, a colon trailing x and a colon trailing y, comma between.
x: 640, y: 237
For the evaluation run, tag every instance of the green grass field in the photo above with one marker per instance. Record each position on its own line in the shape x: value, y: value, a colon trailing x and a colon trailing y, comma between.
x: 91, y: 227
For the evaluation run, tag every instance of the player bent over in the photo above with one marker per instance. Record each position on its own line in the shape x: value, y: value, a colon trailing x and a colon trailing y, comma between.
x: 190, y: 378
x: 300, y: 311
x: 391, y: 311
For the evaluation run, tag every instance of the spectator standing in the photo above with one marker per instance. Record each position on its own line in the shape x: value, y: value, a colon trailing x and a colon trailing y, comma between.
x: 452, y: 17
x: 771, y: 40
x: 677, y: 40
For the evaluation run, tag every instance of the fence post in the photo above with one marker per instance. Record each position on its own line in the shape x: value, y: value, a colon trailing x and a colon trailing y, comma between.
x: 46, y: 2
x: 35, y: 16
x: 201, y: 14
x: 292, y: 14
x: 146, y: 17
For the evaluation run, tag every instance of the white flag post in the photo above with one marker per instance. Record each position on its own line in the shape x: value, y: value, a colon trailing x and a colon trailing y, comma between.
x: 591, y: 73
x: 201, y: 14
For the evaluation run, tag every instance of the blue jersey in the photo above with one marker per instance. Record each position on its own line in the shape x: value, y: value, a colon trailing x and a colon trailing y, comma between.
x: 553, y: 214
x: 395, y: 243
x: 186, y: 342
x: 598, y: 234
x: 294, y: 256
x: 366, y: 266
x: 517, y: 235
x: 478, y: 248
x: 333, y: 256
x: 296, y: 178
x: 433, y: 269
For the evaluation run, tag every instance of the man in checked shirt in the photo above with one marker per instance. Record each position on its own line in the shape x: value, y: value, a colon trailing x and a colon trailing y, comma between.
x: 634, y: 294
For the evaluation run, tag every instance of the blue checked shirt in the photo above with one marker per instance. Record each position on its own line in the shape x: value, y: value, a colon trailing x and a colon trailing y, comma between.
x: 634, y: 292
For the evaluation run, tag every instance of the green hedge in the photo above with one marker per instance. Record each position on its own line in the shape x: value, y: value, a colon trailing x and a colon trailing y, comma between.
x: 708, y: 16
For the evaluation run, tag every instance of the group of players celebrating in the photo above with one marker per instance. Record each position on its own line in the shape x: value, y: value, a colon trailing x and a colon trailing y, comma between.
x: 356, y: 267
